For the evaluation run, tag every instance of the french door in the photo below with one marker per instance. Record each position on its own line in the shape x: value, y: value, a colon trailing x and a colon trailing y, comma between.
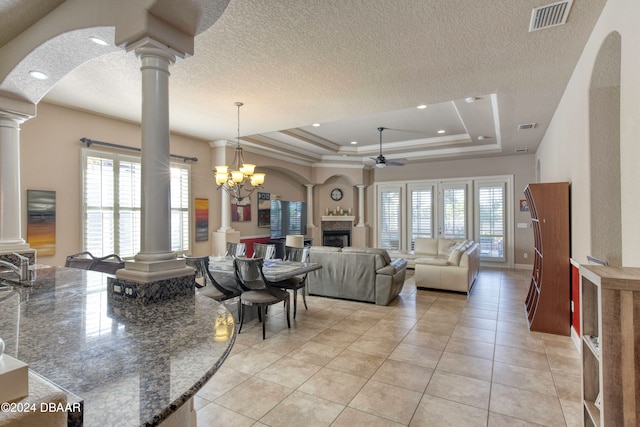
x: 454, y: 209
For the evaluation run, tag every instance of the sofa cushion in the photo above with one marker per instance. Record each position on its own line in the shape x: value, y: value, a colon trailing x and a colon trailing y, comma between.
x: 433, y: 261
x: 325, y: 249
x: 445, y: 246
x: 454, y: 257
x: 382, y: 258
x: 427, y: 246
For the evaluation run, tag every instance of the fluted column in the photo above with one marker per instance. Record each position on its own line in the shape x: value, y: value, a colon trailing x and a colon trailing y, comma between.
x: 310, y: 205
x: 10, y: 200
x: 155, y: 224
x: 360, y: 205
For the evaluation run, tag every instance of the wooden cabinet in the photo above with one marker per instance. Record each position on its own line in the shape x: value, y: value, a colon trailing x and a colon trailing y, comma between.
x: 548, y: 302
x: 610, y: 298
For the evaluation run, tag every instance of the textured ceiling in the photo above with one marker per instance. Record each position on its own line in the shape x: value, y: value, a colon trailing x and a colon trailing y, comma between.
x: 354, y: 66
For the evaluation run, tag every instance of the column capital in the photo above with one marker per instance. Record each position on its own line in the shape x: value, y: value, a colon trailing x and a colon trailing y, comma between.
x: 15, y: 110
x: 360, y: 185
x: 150, y: 47
x: 309, y: 185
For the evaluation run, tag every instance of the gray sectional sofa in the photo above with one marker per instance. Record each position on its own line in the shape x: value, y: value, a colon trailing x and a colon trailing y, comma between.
x: 361, y: 274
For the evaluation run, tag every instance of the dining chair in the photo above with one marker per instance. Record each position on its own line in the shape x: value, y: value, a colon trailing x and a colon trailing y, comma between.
x: 236, y: 249
x: 87, y: 261
x: 298, y: 282
x: 264, y: 251
x: 257, y: 290
x: 219, y: 291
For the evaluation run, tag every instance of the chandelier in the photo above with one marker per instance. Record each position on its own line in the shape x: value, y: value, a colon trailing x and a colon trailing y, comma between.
x: 239, y: 180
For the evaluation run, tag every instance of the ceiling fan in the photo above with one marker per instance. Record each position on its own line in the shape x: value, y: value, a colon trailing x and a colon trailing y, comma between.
x: 381, y: 161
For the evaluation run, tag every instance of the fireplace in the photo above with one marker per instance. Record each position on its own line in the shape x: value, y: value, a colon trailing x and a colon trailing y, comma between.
x: 336, y: 231
x: 336, y: 238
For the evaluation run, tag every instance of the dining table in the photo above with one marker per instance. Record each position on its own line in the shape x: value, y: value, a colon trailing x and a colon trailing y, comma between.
x: 274, y: 270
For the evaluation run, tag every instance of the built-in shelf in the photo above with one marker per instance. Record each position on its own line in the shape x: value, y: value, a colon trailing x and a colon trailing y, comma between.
x: 610, y: 301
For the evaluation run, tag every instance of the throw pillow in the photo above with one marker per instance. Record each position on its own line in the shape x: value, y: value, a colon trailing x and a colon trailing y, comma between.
x: 453, y: 246
x: 454, y: 258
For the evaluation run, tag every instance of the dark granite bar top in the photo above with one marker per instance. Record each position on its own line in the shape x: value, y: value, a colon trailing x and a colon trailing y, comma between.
x: 131, y: 365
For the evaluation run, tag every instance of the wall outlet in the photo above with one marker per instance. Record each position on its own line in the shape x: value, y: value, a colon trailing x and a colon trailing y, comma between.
x: 129, y: 291
x: 525, y: 255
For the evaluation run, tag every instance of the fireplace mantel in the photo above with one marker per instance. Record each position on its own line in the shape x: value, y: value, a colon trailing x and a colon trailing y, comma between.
x: 338, y: 218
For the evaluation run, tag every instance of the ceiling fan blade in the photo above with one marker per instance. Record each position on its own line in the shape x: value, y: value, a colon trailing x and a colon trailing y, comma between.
x: 397, y: 162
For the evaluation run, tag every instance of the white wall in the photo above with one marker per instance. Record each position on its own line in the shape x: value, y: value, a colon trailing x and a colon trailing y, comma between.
x: 564, y: 152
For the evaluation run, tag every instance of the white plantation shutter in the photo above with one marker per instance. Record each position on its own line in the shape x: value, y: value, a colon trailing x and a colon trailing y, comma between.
x: 99, y: 178
x: 128, y: 215
x: 390, y: 219
x: 454, y: 202
x: 112, y: 202
x: 421, y: 213
x: 491, y: 220
x: 179, y: 207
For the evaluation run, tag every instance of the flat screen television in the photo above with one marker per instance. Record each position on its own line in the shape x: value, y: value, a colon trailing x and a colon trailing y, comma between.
x: 288, y: 217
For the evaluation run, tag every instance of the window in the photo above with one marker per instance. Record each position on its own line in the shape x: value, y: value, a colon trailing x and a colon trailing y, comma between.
x: 421, y: 201
x: 112, y: 201
x: 491, y: 223
x: 389, y: 210
x: 454, y: 211
x: 457, y: 208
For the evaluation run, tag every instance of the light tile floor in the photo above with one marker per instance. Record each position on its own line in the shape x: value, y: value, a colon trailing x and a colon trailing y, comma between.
x: 428, y: 359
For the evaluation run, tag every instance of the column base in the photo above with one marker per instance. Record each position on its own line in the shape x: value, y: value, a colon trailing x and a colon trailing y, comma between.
x: 143, y: 283
x: 5, y: 254
x: 360, y: 236
x: 141, y: 289
x: 219, y: 240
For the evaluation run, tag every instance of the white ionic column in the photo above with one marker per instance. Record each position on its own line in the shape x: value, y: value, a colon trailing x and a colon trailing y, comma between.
x: 10, y: 201
x: 155, y: 244
x: 360, y: 205
x: 310, y: 205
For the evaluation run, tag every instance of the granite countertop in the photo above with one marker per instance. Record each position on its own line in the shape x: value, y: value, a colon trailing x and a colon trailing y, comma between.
x: 131, y: 365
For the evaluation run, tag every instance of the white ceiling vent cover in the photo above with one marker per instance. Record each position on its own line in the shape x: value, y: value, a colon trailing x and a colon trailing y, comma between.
x: 551, y: 15
x: 526, y: 126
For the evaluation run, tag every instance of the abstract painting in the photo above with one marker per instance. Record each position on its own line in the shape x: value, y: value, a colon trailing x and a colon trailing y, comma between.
x: 202, y: 220
x: 41, y: 221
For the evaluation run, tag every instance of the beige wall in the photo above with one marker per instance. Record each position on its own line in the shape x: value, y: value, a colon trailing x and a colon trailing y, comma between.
x: 564, y: 154
x: 520, y: 166
x: 51, y: 160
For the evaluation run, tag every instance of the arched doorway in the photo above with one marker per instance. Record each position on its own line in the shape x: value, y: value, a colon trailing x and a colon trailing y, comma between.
x: 604, y: 149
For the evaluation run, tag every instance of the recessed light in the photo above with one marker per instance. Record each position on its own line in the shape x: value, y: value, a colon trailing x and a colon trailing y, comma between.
x: 98, y: 40
x: 315, y: 125
x: 471, y: 99
x: 441, y: 131
x: 421, y: 107
x: 38, y: 75
x: 354, y: 142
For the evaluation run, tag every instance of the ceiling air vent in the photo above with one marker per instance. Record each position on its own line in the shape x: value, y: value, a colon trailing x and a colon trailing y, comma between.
x: 521, y: 150
x: 551, y: 15
x: 525, y: 126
